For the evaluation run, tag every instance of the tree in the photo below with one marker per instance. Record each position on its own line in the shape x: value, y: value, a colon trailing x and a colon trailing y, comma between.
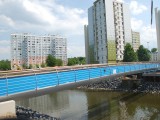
x: 24, y: 66
x: 30, y: 66
x: 5, y: 65
x: 129, y: 54
x: 51, y: 61
x: 76, y: 61
x: 154, y: 50
x: 59, y: 62
x: 143, y: 54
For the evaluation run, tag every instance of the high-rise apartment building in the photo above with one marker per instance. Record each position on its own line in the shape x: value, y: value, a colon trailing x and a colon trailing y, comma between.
x: 135, y: 40
x: 157, y: 15
x: 108, y: 30
x: 31, y: 49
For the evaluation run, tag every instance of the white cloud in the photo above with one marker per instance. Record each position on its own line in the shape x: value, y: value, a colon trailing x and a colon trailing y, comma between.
x: 6, y: 20
x: 120, y: 0
x: 136, y: 24
x: 5, y: 49
x: 137, y: 8
x: 148, y: 34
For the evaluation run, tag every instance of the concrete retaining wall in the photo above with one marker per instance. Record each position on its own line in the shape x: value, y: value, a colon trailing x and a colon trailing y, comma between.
x: 7, y: 110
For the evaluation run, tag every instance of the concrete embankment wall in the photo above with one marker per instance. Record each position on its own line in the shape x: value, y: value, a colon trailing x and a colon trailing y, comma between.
x: 8, y: 110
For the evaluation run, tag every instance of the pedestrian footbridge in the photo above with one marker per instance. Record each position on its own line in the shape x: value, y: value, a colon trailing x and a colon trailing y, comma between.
x: 36, y: 81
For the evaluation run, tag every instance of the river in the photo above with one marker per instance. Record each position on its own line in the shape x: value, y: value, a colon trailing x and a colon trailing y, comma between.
x: 95, y: 105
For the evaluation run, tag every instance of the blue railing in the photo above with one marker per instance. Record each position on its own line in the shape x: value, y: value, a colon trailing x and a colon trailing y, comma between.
x: 14, y: 85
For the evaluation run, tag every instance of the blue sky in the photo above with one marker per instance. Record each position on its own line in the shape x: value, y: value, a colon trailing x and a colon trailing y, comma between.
x: 65, y: 17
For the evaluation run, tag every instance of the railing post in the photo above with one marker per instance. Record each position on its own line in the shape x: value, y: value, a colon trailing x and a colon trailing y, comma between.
x: 36, y: 80
x: 75, y: 75
x: 6, y: 84
x: 100, y: 72
x: 89, y: 73
x: 130, y: 68
x: 110, y: 70
x: 57, y: 76
x: 134, y: 67
x: 124, y: 69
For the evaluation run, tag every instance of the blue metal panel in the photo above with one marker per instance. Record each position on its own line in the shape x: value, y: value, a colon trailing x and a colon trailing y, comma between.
x: 82, y: 74
x: 95, y: 72
x: 66, y: 77
x: 21, y: 84
x: 3, y: 87
x: 46, y: 80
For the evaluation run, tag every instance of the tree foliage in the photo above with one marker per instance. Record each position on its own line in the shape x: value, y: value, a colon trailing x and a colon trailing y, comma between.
x: 5, y: 65
x: 129, y: 54
x: 59, y: 62
x: 143, y: 54
x: 153, y: 50
x: 76, y: 61
x: 51, y: 61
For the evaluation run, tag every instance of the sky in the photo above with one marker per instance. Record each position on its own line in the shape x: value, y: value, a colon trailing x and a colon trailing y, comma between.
x: 66, y: 18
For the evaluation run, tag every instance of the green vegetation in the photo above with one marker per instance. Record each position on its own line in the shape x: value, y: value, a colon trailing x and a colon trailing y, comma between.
x: 153, y: 50
x: 76, y: 61
x: 52, y: 61
x: 129, y: 54
x: 143, y: 54
x: 5, y: 65
x: 59, y: 62
x: 43, y: 65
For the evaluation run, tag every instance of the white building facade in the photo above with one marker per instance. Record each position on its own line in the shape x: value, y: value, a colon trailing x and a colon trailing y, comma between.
x: 157, y: 15
x: 135, y: 40
x: 109, y: 29
x: 154, y: 56
x: 33, y: 50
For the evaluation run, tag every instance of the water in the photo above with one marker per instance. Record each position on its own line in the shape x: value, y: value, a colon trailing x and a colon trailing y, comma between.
x: 96, y: 105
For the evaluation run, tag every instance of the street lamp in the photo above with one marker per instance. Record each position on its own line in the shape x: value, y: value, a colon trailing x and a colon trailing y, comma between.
x: 148, y: 45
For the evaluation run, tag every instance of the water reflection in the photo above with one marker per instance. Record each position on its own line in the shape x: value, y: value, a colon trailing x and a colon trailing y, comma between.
x: 96, y: 105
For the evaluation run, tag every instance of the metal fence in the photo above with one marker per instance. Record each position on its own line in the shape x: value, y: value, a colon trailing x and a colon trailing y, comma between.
x: 34, y: 81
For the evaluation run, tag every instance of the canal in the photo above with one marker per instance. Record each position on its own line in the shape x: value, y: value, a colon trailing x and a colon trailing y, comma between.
x: 95, y: 105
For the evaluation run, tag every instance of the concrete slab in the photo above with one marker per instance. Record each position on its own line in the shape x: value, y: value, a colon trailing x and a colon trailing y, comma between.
x: 7, y: 110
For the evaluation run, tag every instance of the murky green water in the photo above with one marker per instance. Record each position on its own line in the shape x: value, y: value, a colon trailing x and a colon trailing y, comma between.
x: 96, y: 105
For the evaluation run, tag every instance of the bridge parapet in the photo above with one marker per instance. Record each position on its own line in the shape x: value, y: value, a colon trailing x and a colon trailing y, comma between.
x: 36, y: 80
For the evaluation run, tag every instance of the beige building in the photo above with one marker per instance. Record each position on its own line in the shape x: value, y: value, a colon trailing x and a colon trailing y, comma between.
x: 135, y: 40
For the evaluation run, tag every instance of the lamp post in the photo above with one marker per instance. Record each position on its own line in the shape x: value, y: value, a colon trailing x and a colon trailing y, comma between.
x: 148, y: 45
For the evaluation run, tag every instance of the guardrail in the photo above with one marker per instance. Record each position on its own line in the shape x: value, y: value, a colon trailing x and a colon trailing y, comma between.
x: 34, y: 81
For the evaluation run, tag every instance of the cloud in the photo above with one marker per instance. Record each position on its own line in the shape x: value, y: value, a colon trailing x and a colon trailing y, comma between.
x: 137, y: 8
x: 5, y: 49
x: 43, y: 17
x: 147, y: 34
x: 136, y: 24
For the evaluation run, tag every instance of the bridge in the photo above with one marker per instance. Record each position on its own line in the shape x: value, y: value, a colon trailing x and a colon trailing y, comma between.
x: 37, y: 83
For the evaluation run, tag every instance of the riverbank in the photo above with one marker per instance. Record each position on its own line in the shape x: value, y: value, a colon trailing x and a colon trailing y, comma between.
x: 116, y: 85
x: 28, y: 114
